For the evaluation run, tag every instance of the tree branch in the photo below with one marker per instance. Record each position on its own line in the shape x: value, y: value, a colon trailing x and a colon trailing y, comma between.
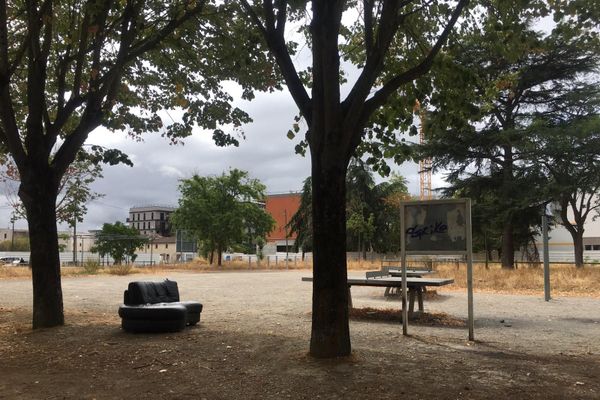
x: 368, y: 17
x: 381, y: 96
x: 281, y: 16
x: 150, y: 43
x: 276, y: 42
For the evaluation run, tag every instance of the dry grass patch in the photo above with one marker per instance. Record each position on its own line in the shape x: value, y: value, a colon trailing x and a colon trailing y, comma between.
x: 565, y: 279
x: 234, y: 265
x: 21, y: 272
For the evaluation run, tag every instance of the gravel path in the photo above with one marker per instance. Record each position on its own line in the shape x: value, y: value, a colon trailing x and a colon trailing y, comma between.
x: 279, y: 301
x: 253, y: 339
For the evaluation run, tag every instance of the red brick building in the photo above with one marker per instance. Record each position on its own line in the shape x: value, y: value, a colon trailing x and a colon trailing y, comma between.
x: 282, y: 208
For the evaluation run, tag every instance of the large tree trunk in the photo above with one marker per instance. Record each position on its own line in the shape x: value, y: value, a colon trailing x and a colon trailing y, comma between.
x: 219, y: 255
x: 38, y: 193
x: 576, y: 230
x: 578, y: 247
x: 330, y: 336
x: 508, y: 243
x: 508, y: 246
x: 330, y: 153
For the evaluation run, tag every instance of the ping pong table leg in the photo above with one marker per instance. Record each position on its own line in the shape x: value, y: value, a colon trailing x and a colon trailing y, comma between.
x: 349, y: 298
x: 411, y: 302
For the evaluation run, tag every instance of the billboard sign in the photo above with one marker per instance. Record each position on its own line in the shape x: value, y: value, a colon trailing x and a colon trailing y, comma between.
x: 436, y: 226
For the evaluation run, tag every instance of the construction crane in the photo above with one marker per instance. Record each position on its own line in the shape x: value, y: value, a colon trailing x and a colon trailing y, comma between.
x: 424, y: 164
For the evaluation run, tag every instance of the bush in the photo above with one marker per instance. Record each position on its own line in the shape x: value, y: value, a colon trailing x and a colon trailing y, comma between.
x: 91, y: 267
x: 120, y: 269
x: 20, y: 244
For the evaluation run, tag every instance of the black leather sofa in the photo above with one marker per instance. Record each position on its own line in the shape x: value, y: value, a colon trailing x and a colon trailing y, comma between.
x: 155, y: 307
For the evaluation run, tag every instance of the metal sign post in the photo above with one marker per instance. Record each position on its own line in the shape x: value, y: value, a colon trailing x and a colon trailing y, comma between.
x: 546, y: 257
x: 470, y: 271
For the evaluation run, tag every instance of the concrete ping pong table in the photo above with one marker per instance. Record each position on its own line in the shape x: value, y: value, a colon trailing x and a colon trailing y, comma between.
x: 415, y: 286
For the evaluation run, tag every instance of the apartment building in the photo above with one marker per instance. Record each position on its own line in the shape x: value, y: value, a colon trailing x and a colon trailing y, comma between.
x: 151, y: 220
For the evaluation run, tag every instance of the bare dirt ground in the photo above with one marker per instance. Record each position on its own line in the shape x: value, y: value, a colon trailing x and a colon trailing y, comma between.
x: 252, y: 343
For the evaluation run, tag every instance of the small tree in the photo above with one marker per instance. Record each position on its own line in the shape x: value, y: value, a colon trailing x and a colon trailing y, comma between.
x: 223, y: 210
x: 118, y: 241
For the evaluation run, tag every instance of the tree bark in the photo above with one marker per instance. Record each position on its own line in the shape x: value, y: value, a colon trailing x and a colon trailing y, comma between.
x: 578, y: 248
x: 508, y: 243
x: 576, y: 230
x: 38, y: 191
x: 508, y: 246
x: 330, y: 335
x: 219, y: 255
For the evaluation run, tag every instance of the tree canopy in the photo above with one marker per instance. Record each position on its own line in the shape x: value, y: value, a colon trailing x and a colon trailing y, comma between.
x: 222, y: 211
x: 566, y: 147
x: 493, y: 84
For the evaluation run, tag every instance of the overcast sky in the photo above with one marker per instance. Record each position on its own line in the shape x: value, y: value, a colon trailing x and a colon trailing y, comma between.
x: 266, y: 153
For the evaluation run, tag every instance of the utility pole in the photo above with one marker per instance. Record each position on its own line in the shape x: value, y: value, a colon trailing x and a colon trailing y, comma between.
x: 82, y: 247
x: 74, y: 239
x: 12, y: 239
x: 151, y: 241
x: 424, y: 164
x: 287, y: 249
x: 547, y: 296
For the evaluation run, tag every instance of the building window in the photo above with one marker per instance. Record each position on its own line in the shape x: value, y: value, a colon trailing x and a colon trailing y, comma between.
x: 151, y: 215
x: 166, y: 245
x: 156, y: 246
x: 144, y: 225
x: 596, y: 247
x: 5, y: 236
x: 588, y: 246
x: 162, y: 216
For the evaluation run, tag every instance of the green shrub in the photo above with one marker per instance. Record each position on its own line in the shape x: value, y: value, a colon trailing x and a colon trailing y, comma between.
x: 120, y: 269
x: 20, y: 244
x: 91, y: 267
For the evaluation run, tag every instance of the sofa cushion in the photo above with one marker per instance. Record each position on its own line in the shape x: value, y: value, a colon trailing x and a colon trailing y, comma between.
x: 161, y: 317
x: 159, y: 311
x: 151, y: 292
